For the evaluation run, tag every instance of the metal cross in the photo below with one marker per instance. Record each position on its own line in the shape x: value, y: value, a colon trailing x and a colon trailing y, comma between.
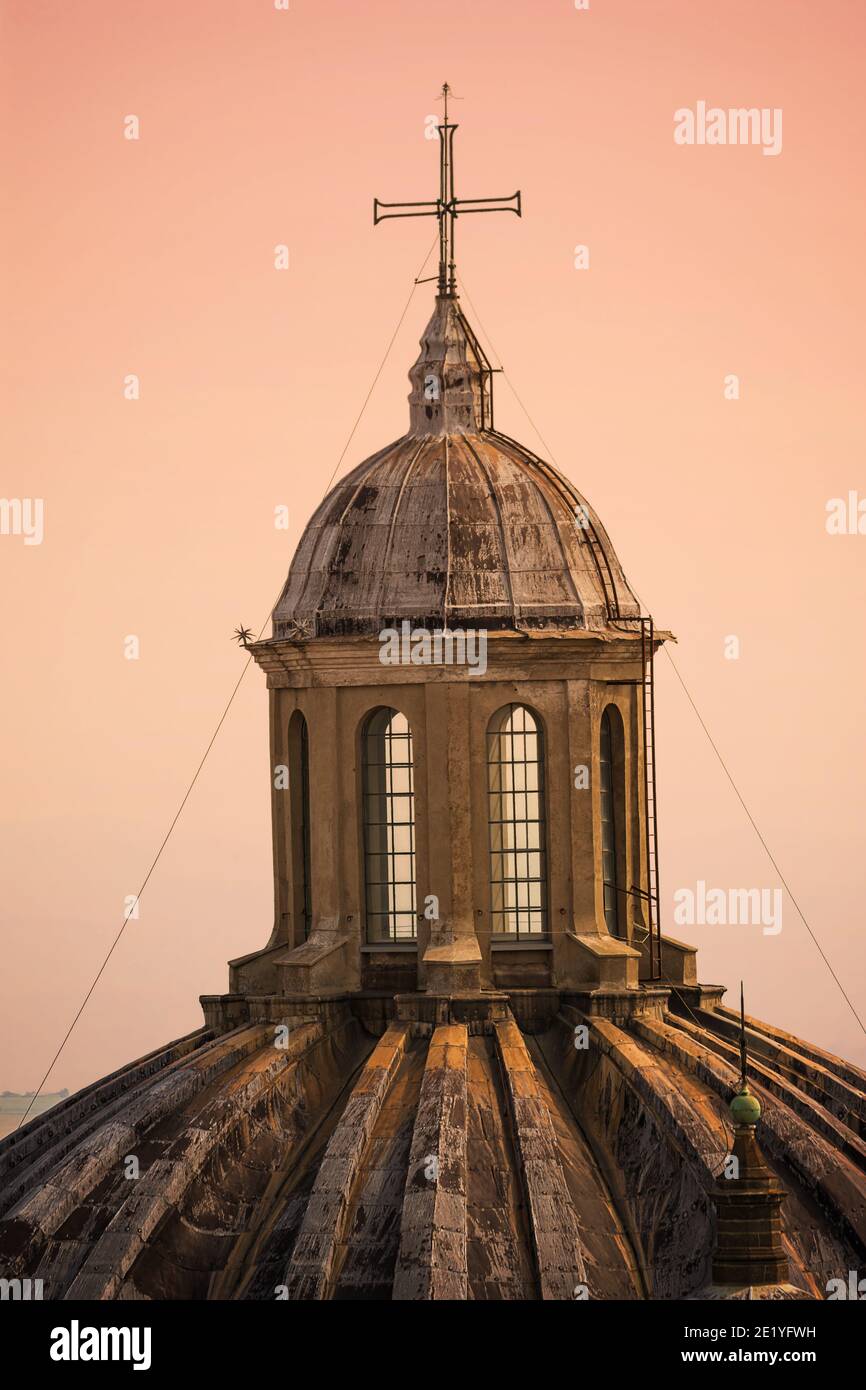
x: 447, y: 207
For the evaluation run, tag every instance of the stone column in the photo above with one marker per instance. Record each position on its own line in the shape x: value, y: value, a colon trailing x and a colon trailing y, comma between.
x: 329, y: 961
x: 452, y: 960
x: 583, y: 848
x: 589, y: 957
x: 325, y: 811
x: 279, y: 715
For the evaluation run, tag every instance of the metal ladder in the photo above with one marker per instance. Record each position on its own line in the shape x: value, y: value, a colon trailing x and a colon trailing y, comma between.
x: 651, y: 801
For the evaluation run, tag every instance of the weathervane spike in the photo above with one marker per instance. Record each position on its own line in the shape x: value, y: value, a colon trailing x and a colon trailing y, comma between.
x: 742, y: 1038
x: 447, y: 207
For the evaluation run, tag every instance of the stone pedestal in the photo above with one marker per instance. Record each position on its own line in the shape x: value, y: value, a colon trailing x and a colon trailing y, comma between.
x: 453, y: 966
x: 318, y: 966
x: 749, y: 1246
x: 596, y: 960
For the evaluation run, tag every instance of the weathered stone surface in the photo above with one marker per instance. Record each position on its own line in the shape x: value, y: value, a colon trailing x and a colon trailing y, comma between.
x: 454, y: 524
x: 313, y: 1263
x: 559, y: 1256
x: 432, y: 1261
x: 436, y: 1163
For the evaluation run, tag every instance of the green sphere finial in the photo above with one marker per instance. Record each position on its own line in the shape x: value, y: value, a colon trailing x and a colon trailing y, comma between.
x: 745, y: 1108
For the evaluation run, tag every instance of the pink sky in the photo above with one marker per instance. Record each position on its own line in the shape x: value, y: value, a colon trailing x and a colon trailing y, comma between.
x: 155, y: 257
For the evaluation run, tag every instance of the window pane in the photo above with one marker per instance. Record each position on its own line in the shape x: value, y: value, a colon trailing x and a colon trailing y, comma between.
x: 518, y: 875
x: 389, y: 828
x: 299, y: 784
x: 608, y: 828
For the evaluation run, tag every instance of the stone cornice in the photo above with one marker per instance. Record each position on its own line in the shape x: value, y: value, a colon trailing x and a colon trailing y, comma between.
x: 598, y: 654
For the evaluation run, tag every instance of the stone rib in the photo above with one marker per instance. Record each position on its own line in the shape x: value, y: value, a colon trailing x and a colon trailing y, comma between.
x: 557, y: 1246
x: 837, y: 1185
x: 312, y: 1266
x: 166, y: 1180
x: 46, y: 1138
x: 846, y: 1071
x: 845, y: 1101
x: 87, y: 1096
x: 806, y: 1099
x: 660, y: 1092
x: 42, y: 1205
x: 432, y: 1261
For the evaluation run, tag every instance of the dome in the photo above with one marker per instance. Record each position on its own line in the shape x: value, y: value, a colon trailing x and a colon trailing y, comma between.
x: 454, y: 524
x: 309, y: 1166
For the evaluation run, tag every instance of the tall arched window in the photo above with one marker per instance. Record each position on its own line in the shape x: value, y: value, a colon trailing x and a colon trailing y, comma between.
x: 299, y: 783
x: 389, y: 827
x: 612, y: 809
x: 518, y: 861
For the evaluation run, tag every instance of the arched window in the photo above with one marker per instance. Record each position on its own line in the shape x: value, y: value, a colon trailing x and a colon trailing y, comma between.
x: 612, y: 808
x: 518, y: 867
x: 299, y: 782
x: 389, y: 827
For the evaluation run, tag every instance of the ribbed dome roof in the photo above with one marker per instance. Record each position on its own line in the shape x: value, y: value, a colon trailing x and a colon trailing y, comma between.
x: 454, y: 524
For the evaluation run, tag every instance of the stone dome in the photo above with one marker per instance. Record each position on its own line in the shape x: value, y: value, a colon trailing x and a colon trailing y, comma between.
x: 267, y: 1169
x: 454, y: 524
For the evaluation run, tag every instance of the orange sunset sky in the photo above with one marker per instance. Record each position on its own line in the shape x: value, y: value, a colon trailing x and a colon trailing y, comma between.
x: 155, y: 257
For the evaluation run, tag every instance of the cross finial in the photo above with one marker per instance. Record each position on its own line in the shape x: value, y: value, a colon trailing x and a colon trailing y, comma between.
x: 447, y: 207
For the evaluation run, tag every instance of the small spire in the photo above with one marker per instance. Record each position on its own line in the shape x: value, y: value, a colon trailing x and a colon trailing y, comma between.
x: 745, y: 1108
x: 749, y: 1248
x: 452, y: 379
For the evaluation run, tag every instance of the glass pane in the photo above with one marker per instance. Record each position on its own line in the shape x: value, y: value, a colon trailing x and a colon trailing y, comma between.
x: 389, y: 828
x: 518, y: 891
x: 608, y: 827
x: 304, y: 758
